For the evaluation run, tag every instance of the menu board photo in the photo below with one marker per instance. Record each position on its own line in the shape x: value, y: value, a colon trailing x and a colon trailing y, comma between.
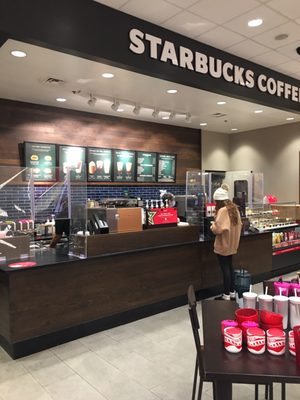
x: 41, y: 157
x: 166, y: 168
x: 72, y: 157
x: 124, y: 165
x: 146, y: 166
x: 99, y: 164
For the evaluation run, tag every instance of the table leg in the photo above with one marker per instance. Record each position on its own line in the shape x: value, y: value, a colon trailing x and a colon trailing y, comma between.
x: 223, y: 390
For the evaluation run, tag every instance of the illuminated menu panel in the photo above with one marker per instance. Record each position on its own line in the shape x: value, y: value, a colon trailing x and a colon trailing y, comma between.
x: 72, y: 157
x: 99, y: 164
x: 124, y: 165
x: 41, y: 157
x: 146, y: 166
x: 166, y: 168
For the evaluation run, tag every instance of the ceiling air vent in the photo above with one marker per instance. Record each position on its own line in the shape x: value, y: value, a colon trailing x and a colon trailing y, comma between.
x: 53, y: 81
x: 218, y: 115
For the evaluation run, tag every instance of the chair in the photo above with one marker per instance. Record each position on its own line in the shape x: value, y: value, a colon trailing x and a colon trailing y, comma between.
x: 199, y: 371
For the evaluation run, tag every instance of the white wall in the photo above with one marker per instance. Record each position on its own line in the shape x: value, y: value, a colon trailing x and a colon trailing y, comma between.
x: 273, y: 151
x: 215, y: 151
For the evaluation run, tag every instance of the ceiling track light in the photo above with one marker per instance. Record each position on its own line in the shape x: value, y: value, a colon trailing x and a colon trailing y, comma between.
x: 172, y: 115
x: 92, y: 100
x: 136, y: 110
x: 155, y: 113
x: 115, y: 105
x: 188, y: 117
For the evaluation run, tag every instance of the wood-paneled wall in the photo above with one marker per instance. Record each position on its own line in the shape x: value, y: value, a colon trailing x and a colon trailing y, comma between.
x: 21, y: 122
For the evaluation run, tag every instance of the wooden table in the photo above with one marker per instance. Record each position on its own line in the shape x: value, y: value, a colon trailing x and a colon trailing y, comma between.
x: 226, y: 368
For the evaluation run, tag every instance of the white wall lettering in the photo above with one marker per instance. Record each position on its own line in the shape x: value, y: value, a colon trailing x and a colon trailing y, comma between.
x: 166, y: 51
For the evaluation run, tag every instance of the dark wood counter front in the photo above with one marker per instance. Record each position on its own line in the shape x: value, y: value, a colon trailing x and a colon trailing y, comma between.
x: 43, y: 306
x: 132, y: 241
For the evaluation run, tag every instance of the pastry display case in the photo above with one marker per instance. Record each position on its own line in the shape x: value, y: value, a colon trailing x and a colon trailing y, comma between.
x: 269, y: 217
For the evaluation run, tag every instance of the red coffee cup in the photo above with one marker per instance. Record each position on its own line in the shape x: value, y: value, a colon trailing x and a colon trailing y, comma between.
x: 276, y: 341
x: 296, y: 330
x: 256, y: 340
x: 292, y: 348
x: 226, y: 323
x: 233, y: 339
x: 245, y: 326
x: 246, y: 314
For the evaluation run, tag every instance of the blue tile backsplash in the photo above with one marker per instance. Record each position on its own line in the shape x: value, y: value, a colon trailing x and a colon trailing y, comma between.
x: 15, y: 200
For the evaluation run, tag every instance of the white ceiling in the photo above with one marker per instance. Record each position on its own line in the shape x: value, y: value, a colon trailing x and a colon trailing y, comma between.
x: 220, y: 23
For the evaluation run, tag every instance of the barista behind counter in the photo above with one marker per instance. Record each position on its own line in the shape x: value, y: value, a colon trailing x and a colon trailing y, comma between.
x: 62, y: 223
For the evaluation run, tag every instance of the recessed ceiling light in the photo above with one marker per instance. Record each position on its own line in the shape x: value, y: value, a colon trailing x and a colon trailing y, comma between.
x: 203, y: 124
x: 258, y: 111
x: 61, y: 99
x: 221, y: 102
x: 290, y: 118
x: 172, y: 91
x: 234, y: 129
x: 120, y: 109
x: 18, y: 53
x: 165, y: 117
x: 255, y: 22
x: 107, y: 75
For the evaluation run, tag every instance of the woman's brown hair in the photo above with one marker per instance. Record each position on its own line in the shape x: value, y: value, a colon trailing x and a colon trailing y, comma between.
x: 231, y: 208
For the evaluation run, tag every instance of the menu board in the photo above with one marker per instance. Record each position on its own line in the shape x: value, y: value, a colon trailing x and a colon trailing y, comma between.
x: 146, y: 166
x: 99, y: 164
x: 124, y: 165
x: 166, y: 168
x: 41, y: 157
x: 72, y: 157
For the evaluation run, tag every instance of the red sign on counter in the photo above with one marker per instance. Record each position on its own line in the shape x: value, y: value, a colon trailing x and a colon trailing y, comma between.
x: 162, y: 216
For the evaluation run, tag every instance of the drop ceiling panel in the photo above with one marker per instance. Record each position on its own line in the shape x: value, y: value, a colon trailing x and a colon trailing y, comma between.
x: 182, y: 3
x: 289, y: 68
x: 268, y: 38
x: 155, y: 11
x: 270, y: 59
x: 270, y: 20
x: 247, y: 49
x: 289, y: 8
x: 220, y: 37
x: 222, y: 11
x: 290, y: 50
x: 188, y: 24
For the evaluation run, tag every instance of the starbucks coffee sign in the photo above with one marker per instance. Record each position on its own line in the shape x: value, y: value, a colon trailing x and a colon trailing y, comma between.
x: 184, y: 57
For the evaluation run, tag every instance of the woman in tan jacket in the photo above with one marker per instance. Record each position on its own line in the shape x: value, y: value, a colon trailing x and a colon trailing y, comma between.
x: 227, y: 228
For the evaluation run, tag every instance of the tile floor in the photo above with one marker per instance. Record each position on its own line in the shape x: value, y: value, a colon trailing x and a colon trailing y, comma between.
x: 150, y: 359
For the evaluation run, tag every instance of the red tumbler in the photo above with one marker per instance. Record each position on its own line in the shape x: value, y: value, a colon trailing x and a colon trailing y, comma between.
x: 296, y: 330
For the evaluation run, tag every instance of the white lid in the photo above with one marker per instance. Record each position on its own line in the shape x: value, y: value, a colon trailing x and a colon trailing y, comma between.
x: 266, y: 297
x: 294, y: 299
x: 250, y: 294
x: 281, y: 298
